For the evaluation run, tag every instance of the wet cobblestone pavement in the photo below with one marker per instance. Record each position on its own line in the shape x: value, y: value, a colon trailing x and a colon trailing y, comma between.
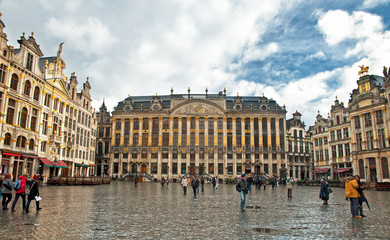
x: 121, y: 211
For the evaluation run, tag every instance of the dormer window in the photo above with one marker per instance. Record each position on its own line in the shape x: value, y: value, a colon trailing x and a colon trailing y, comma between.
x: 29, y: 64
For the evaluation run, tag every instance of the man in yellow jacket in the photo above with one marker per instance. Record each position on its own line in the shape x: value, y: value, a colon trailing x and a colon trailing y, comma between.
x: 351, y: 192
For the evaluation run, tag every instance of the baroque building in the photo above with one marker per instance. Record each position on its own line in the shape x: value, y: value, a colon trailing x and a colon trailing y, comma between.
x: 299, y: 154
x: 47, y: 127
x: 369, y: 115
x: 355, y: 139
x: 212, y: 134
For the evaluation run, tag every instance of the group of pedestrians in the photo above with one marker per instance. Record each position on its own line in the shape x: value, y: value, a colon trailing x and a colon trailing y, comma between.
x: 21, y: 191
x: 195, y: 183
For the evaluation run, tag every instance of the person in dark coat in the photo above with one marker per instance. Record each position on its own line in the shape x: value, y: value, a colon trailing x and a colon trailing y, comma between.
x: 324, y: 192
x: 34, y: 192
x: 214, y: 182
x: 7, y: 191
x: 242, y: 187
x: 362, y: 198
x: 195, y: 184
x: 202, y: 179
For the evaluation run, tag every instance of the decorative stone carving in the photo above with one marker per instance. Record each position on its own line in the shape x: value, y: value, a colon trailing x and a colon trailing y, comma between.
x: 198, y: 109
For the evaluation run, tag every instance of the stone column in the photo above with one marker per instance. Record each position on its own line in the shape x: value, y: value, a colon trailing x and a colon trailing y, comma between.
x: 197, y: 142
x: 270, y: 165
x: 179, y: 126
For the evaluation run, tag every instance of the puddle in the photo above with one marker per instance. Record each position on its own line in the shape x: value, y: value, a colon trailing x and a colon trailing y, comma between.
x: 263, y: 230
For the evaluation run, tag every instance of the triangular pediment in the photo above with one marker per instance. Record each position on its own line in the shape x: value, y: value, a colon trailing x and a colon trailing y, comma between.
x: 198, y: 108
x: 60, y: 85
x: 31, y: 45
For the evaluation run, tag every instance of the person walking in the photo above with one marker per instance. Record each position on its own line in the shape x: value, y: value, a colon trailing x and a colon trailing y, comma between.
x: 21, y: 192
x: 249, y: 181
x: 202, y: 179
x: 162, y: 181
x: 136, y: 180
x: 184, y: 183
x: 352, y: 193
x: 362, y: 198
x: 324, y: 192
x: 289, y: 183
x: 7, y: 191
x: 242, y: 187
x: 214, y: 182
x: 273, y: 181
x: 195, y: 184
x: 1, y: 184
x: 34, y: 192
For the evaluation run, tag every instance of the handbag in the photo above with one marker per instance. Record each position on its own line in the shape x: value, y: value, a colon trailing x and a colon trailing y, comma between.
x: 330, y: 190
x: 38, y: 198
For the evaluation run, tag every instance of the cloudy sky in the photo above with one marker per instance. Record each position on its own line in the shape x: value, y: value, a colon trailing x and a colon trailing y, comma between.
x: 301, y: 53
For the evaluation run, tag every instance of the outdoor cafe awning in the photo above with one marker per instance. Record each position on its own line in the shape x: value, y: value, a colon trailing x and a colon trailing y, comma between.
x: 321, y: 170
x: 340, y: 170
x: 61, y: 164
x: 46, y: 162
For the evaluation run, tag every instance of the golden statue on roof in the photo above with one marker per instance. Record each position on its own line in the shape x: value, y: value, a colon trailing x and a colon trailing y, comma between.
x: 363, y: 70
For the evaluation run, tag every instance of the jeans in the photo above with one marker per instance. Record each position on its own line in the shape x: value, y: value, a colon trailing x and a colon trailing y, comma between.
x: 194, y: 188
x: 354, y: 206
x: 185, y: 190
x: 6, y: 199
x: 250, y: 188
x: 243, y: 197
x: 17, y: 195
x: 28, y: 204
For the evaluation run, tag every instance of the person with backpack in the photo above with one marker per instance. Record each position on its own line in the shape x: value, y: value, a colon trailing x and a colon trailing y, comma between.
x: 195, y: 184
x: 33, y: 193
x: 242, y: 187
x: 7, y: 191
x: 20, y: 191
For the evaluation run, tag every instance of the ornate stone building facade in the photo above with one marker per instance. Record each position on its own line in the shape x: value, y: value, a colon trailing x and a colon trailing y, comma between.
x: 47, y: 127
x: 213, y: 134
x: 369, y: 115
x: 299, y: 154
x: 355, y: 140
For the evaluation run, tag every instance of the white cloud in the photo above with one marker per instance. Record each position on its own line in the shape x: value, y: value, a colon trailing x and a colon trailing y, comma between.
x: 373, y: 3
x: 89, y: 36
x: 338, y: 25
x: 256, y: 53
x: 317, y: 55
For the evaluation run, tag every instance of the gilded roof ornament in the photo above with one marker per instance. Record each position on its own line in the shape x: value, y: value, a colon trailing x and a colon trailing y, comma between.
x: 363, y: 70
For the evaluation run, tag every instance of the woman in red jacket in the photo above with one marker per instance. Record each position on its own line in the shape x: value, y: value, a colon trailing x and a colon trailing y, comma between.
x: 20, y: 193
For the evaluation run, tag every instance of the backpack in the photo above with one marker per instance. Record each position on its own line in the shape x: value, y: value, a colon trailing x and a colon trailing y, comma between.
x: 17, y: 185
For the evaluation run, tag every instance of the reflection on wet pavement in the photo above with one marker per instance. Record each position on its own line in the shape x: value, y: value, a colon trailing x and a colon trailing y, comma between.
x: 122, y: 211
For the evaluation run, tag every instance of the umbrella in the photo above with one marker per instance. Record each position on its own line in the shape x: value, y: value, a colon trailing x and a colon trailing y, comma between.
x: 365, y: 199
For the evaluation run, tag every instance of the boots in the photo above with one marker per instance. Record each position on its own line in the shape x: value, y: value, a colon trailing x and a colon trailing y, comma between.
x: 361, y: 212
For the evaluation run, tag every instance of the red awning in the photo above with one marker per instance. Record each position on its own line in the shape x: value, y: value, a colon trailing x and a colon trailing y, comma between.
x: 321, y: 170
x: 11, y: 154
x: 91, y: 165
x: 60, y: 164
x: 46, y: 162
x: 339, y: 170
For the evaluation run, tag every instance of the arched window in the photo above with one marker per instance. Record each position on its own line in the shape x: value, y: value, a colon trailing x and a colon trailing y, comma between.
x: 27, y: 88
x: 361, y: 168
x: 5, y: 53
x: 338, y: 119
x: 31, y: 144
x: 7, y: 139
x: 385, y: 168
x: 19, y: 141
x: 10, y: 111
x: 2, y: 72
x: 23, y: 118
x: 36, y: 93
x: 14, y: 82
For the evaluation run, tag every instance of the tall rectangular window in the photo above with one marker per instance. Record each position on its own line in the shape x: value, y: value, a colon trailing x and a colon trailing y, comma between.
x: 379, y: 116
x: 367, y: 119
x: 381, y: 138
x: 370, y: 140
x: 29, y: 63
x: 346, y: 133
x: 359, y: 141
x: 357, y: 121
